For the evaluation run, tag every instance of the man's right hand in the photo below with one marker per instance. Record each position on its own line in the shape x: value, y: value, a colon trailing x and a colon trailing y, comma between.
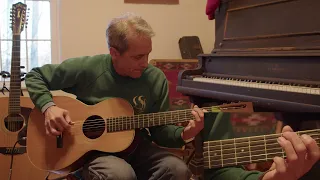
x: 57, y: 120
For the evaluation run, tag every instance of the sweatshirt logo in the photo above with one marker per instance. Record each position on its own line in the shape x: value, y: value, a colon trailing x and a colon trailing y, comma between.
x: 139, y: 104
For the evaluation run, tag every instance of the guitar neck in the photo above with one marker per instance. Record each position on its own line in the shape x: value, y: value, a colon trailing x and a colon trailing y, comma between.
x: 149, y: 120
x: 240, y: 151
x: 15, y: 82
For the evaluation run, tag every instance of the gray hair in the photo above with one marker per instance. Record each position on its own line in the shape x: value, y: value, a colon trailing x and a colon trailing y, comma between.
x: 120, y: 28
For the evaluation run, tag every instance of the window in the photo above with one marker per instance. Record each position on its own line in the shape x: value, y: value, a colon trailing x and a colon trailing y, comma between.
x: 39, y: 43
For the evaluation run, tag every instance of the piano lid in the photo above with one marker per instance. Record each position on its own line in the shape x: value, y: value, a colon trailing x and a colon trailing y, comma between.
x: 263, y: 26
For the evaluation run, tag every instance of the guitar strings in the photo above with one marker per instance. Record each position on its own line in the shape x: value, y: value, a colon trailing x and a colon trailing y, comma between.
x: 137, y: 117
x: 126, y: 122
x: 224, y: 161
x: 209, y: 143
x: 239, y: 143
x: 118, y: 126
x: 132, y: 121
x: 152, y: 115
x: 267, y: 135
x: 115, y: 122
x: 218, y: 156
x: 217, y: 148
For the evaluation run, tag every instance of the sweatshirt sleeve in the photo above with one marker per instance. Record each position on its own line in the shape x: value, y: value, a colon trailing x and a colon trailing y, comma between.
x: 236, y: 173
x: 41, y: 80
x: 217, y: 126
x: 166, y: 135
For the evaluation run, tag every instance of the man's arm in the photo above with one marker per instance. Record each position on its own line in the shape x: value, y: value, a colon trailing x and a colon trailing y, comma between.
x: 41, y: 80
x: 166, y: 135
x: 237, y: 173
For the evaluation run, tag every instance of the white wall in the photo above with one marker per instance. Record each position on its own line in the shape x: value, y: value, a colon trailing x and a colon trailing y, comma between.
x: 83, y: 25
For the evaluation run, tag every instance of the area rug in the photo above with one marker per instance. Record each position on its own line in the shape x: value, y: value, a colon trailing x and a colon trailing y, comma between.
x: 257, y: 123
x: 171, y: 68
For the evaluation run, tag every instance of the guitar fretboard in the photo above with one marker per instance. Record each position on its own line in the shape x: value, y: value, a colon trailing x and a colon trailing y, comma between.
x: 15, y: 81
x: 240, y: 151
x: 149, y: 120
x: 123, y: 123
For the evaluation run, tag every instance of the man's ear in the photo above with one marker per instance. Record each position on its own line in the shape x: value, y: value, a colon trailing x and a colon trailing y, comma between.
x: 114, y: 52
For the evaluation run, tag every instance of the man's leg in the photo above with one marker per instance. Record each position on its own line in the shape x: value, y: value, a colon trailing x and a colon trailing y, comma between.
x: 153, y: 163
x: 108, y: 167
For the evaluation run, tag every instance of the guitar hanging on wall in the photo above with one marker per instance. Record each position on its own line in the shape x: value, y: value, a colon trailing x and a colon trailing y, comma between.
x: 14, y: 112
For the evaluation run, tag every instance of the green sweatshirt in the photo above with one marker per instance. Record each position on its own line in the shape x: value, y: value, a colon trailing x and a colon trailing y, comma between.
x: 93, y: 79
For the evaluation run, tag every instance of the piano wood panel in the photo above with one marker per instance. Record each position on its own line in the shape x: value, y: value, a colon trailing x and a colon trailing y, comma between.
x: 268, y: 68
x: 283, y: 25
x: 240, y: 4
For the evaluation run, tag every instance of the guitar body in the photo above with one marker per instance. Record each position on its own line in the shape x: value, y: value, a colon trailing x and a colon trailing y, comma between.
x: 22, y: 168
x: 76, y: 143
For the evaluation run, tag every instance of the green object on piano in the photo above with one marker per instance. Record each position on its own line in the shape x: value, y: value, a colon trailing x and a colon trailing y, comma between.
x: 215, y: 109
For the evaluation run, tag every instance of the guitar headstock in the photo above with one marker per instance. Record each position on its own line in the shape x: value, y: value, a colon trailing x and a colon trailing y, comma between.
x: 18, y: 17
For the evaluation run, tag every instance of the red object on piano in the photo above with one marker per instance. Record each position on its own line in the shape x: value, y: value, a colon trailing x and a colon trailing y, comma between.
x: 211, y: 7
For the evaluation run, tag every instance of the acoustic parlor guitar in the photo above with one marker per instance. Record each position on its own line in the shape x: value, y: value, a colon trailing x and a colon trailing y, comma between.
x: 14, y: 112
x: 108, y: 126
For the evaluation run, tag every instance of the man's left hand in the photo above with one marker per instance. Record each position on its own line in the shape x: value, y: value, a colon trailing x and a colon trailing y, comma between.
x: 194, y: 126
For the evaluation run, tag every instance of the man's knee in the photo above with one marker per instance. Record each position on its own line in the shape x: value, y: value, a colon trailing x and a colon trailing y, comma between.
x: 174, y: 166
x: 108, y: 167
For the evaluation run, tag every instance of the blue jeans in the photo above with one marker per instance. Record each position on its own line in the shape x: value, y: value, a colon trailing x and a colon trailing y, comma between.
x: 147, y: 162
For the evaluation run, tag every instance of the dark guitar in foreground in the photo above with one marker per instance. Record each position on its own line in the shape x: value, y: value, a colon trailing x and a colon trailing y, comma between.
x: 246, y: 150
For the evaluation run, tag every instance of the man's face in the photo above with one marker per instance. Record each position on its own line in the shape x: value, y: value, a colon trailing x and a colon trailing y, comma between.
x: 134, y: 61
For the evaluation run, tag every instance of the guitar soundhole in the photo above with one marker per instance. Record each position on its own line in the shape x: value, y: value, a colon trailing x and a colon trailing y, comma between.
x: 14, y: 122
x: 93, y: 127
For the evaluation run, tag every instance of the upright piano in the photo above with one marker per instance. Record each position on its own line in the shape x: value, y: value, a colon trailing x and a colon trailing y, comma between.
x: 266, y: 52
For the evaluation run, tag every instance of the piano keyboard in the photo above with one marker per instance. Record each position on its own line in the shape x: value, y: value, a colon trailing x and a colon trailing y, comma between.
x: 260, y: 85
